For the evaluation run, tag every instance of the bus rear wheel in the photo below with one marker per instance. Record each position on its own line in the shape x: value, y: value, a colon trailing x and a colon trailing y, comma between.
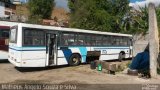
x: 74, y: 60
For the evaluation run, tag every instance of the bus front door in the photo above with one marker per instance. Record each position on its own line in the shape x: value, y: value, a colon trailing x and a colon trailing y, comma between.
x: 51, y: 49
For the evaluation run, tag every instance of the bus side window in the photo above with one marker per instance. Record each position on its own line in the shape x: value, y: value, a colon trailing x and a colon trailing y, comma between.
x: 81, y: 39
x: 93, y: 40
x: 106, y: 41
x: 5, y: 34
x: 99, y: 40
x: 64, y: 39
x: 34, y: 37
x: 68, y: 39
x: 87, y: 40
x: 71, y: 40
x: 121, y: 41
x: 114, y: 41
x: 125, y: 41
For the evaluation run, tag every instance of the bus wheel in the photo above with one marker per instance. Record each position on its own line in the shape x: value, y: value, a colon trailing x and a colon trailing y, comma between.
x: 121, y: 56
x: 74, y: 60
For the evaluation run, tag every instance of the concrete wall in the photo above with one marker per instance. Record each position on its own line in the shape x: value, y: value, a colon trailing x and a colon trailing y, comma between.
x: 140, y: 42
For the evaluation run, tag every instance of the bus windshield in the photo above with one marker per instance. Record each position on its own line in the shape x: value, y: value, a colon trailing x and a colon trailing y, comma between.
x: 13, y: 35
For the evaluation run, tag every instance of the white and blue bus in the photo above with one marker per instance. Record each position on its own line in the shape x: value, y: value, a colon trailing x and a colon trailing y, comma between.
x: 41, y: 46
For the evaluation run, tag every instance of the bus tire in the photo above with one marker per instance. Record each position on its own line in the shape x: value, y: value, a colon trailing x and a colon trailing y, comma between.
x: 121, y: 56
x: 74, y: 60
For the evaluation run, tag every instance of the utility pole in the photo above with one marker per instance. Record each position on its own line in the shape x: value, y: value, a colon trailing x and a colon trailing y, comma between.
x: 153, y: 40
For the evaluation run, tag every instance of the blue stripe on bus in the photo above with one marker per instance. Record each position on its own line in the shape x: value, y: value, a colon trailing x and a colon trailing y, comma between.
x: 83, y: 52
x: 67, y: 53
x: 93, y: 46
x: 28, y: 48
x: 112, y: 48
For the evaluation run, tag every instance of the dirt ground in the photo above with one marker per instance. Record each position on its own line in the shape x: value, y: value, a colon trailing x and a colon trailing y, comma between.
x: 66, y: 75
x: 80, y: 74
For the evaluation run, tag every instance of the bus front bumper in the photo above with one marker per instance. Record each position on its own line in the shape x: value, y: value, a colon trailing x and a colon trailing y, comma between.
x: 15, y: 63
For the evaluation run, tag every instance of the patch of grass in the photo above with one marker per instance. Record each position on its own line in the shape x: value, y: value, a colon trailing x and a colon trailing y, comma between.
x: 129, y: 63
x: 120, y: 68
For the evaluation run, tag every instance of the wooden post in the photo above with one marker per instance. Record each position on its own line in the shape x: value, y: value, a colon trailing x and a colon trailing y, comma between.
x: 153, y: 40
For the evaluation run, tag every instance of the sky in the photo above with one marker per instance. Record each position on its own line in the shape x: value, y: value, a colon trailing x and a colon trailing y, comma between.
x: 62, y: 4
x: 134, y: 3
x: 59, y: 3
x: 142, y: 3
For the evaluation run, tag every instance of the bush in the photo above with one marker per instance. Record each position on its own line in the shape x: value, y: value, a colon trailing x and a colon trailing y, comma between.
x: 35, y: 19
x: 128, y: 64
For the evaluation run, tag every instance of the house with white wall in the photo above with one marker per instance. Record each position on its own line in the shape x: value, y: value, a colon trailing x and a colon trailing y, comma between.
x: 6, y: 8
x: 2, y: 9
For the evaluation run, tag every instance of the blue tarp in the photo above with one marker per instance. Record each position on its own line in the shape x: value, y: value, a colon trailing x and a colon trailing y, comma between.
x: 141, y: 61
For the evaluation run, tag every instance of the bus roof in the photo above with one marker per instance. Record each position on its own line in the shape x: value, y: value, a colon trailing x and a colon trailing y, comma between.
x: 72, y: 30
x: 6, y: 23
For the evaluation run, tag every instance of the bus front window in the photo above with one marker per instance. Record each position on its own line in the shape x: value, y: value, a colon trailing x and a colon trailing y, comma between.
x: 13, y: 35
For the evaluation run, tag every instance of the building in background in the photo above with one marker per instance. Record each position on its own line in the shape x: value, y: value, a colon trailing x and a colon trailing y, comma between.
x: 13, y: 10
x: 22, y: 13
x: 6, y: 9
x: 17, y: 11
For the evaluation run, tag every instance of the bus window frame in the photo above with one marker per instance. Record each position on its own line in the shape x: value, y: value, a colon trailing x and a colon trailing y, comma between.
x: 91, y: 39
x: 76, y: 37
x: 33, y: 29
x: 61, y: 36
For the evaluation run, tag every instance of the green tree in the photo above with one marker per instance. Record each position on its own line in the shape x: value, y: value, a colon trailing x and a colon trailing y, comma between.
x: 136, y: 21
x: 101, y: 15
x: 40, y: 9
